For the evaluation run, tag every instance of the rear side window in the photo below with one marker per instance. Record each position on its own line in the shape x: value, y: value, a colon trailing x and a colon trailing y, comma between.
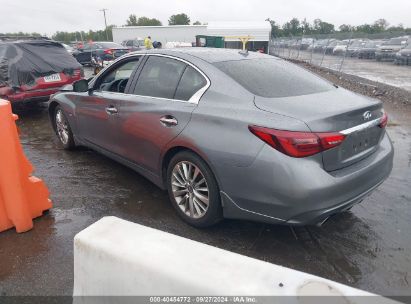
x: 190, y: 83
x: 159, y: 77
x: 273, y: 77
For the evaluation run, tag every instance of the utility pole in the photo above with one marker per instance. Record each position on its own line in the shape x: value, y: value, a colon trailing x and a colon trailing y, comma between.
x: 105, y: 20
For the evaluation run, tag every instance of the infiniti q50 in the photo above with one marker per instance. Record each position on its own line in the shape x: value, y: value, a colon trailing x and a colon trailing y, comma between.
x: 231, y: 134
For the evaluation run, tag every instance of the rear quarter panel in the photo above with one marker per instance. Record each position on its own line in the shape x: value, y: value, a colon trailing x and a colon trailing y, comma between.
x: 218, y: 129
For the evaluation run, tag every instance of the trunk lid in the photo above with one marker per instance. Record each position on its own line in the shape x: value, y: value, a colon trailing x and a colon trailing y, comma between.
x: 334, y: 111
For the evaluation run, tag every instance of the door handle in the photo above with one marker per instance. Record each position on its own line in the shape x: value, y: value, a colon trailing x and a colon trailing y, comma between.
x: 110, y: 110
x: 168, y: 121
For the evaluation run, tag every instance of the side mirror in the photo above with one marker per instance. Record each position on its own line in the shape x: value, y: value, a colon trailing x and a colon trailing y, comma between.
x: 80, y: 86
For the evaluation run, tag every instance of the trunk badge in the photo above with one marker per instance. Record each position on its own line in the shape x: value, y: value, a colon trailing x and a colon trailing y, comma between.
x: 367, y: 115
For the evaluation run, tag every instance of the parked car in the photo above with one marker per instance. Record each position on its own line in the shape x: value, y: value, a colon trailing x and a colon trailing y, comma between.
x: 104, y: 51
x: 33, y: 69
x: 306, y: 42
x: 276, y: 144
x: 340, y: 48
x: 388, y: 49
x: 319, y: 45
x: 331, y: 45
x: 369, y: 49
x: 355, y: 46
x: 68, y: 48
x: 134, y: 44
x: 404, y: 55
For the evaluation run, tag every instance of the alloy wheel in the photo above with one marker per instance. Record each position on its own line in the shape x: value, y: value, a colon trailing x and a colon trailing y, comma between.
x: 190, y: 189
x: 62, y: 127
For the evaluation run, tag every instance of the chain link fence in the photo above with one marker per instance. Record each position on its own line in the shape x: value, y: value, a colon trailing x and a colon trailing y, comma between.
x: 344, y: 52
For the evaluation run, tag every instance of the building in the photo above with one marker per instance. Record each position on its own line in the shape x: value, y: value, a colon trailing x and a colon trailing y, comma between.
x: 258, y: 33
x: 163, y: 34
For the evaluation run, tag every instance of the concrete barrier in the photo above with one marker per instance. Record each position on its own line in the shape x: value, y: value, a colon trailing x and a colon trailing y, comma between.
x: 22, y: 196
x: 113, y: 257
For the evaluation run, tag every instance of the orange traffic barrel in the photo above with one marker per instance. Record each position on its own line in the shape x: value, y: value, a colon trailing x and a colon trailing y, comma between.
x: 22, y: 196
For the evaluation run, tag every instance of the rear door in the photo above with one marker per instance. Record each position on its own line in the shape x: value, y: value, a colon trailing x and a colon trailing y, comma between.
x: 98, y: 112
x: 166, y: 93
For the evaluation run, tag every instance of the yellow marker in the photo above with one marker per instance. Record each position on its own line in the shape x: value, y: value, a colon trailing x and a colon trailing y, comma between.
x: 243, y: 39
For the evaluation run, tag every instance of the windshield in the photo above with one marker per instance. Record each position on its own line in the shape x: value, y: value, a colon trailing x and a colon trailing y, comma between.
x: 67, y: 47
x: 357, y: 43
x: 372, y: 44
x: 395, y: 41
x: 273, y: 77
x: 334, y: 43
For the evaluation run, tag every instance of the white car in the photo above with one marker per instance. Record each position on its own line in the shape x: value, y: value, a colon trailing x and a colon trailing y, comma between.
x: 340, y: 48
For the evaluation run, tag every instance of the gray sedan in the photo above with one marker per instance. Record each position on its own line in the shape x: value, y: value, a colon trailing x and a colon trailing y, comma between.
x: 231, y: 134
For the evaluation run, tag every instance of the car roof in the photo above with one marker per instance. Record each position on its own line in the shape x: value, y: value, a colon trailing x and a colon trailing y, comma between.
x: 32, y: 42
x: 210, y: 55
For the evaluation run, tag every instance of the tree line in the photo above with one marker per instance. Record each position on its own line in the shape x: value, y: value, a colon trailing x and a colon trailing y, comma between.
x: 178, y: 19
x: 295, y: 27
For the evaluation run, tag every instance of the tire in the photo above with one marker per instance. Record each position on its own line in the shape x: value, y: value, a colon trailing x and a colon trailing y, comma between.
x: 63, y: 130
x: 187, y: 193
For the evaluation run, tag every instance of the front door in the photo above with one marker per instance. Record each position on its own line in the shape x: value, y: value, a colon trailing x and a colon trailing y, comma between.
x: 161, y: 108
x: 98, y: 111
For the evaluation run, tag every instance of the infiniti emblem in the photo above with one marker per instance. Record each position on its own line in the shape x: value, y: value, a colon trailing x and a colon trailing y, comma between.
x: 367, y: 115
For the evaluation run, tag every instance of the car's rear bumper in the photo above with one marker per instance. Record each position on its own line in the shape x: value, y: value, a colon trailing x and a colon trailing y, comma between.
x: 277, y: 189
x: 31, y: 96
x: 37, y: 94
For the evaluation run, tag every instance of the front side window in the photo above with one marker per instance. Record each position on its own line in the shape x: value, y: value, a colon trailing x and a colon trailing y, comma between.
x: 117, y: 79
x: 159, y: 77
x: 190, y: 83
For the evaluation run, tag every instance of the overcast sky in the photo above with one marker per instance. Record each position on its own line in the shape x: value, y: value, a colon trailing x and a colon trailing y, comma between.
x: 49, y: 16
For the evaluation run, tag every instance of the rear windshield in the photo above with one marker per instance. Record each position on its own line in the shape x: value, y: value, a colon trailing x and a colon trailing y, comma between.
x: 273, y: 77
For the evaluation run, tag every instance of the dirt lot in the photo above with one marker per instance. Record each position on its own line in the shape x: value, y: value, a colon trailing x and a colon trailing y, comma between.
x: 369, y: 247
x: 384, y: 72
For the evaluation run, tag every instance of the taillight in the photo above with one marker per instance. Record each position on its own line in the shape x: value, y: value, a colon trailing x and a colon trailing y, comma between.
x: 297, y: 144
x: 78, y: 72
x: 384, y: 120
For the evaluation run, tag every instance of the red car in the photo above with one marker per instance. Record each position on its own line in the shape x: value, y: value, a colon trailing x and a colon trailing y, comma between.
x: 32, y: 70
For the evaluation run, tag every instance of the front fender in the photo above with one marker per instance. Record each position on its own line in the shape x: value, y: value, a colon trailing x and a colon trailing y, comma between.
x: 67, y: 102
